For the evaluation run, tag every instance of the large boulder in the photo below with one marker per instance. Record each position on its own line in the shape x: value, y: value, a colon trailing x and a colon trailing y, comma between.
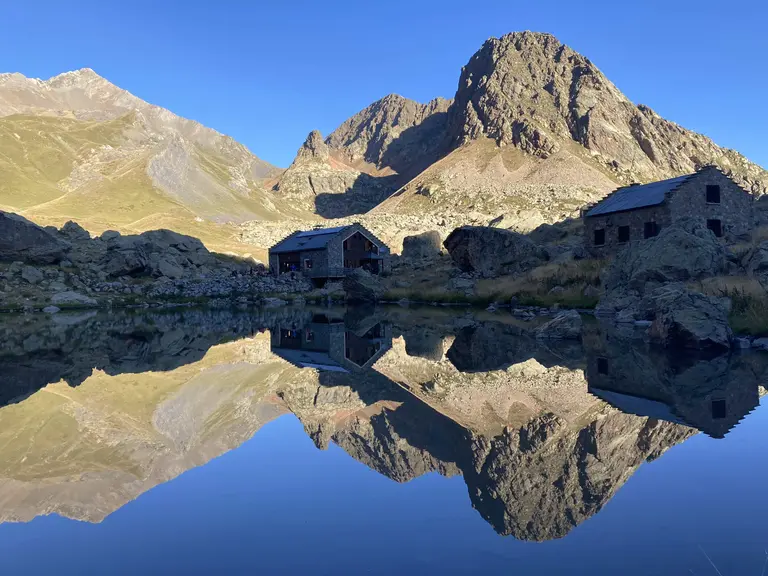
x: 686, y: 319
x: 492, y: 251
x: 683, y: 252
x: 756, y: 262
x: 72, y: 299
x: 155, y: 253
x: 565, y: 326
x: 73, y: 232
x: 361, y: 286
x: 426, y: 245
x: 24, y: 241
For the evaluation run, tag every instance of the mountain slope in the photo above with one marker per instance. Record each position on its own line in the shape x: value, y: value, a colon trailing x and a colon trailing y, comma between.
x: 536, y: 131
x: 366, y: 158
x: 529, y: 90
x: 78, y: 147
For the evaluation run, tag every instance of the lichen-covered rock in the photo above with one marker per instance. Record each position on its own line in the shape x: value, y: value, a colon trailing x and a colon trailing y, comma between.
x: 25, y: 241
x: 682, y: 252
x: 31, y: 274
x: 361, y: 286
x: 685, y: 319
x: 565, y: 326
x: 492, y: 251
x: 426, y: 245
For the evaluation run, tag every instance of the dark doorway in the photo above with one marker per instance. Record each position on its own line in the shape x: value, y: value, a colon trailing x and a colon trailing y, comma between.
x: 716, y: 226
x: 650, y: 229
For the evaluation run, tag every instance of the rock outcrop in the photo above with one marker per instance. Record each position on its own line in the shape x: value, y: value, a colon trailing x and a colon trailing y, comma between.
x: 686, y: 319
x: 394, y: 133
x: 319, y: 181
x: 529, y: 90
x: 426, y: 245
x: 565, y: 326
x: 492, y: 251
x: 362, y: 286
x: 683, y: 252
x: 24, y: 241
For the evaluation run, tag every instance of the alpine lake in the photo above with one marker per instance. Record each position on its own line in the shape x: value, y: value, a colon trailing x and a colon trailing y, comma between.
x: 387, y: 440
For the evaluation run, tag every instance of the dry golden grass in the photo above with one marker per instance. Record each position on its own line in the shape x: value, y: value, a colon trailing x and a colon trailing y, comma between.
x: 749, y: 302
x: 535, y: 287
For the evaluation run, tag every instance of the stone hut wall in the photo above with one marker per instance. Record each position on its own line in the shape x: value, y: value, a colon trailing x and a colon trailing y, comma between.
x: 635, y: 219
x: 735, y: 210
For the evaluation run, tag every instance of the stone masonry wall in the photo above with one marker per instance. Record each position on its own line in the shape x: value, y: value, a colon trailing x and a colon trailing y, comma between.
x: 635, y: 219
x: 735, y: 209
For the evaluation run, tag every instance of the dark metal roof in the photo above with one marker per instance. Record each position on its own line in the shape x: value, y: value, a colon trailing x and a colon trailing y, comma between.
x: 309, y: 240
x: 320, y: 232
x: 638, y: 196
x: 309, y: 359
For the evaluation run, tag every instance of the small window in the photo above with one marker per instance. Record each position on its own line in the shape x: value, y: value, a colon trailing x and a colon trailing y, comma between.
x: 602, y: 365
x: 310, y: 336
x: 713, y: 194
x: 623, y: 234
x: 650, y: 229
x: 600, y: 237
x: 718, y: 409
x: 716, y: 226
x: 308, y: 264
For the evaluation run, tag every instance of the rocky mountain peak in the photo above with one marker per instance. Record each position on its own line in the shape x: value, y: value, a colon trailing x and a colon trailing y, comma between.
x: 314, y: 148
x: 529, y: 90
x: 393, y: 132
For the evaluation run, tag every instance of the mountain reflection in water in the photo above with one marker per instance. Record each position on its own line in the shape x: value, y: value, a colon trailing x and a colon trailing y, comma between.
x: 99, y: 408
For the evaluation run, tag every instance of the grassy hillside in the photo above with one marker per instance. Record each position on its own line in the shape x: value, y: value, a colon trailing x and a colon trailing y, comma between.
x: 118, y: 174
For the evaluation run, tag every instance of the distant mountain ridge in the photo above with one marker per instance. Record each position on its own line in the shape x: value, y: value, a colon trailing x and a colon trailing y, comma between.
x: 78, y: 147
x: 534, y: 132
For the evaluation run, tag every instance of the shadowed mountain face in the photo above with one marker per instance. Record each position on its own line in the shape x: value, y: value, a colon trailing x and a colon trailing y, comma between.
x: 539, y: 454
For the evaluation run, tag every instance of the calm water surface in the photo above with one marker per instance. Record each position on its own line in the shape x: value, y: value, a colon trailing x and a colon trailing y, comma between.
x: 372, y: 442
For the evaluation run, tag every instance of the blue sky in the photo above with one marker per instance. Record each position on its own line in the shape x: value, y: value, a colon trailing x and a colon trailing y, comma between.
x: 268, y: 73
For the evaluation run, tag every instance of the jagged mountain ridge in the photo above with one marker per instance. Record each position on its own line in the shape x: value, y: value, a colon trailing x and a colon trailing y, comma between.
x: 534, y: 132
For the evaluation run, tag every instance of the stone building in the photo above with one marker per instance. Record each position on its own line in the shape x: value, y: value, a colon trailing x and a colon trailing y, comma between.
x: 330, y: 345
x: 326, y: 253
x: 640, y: 211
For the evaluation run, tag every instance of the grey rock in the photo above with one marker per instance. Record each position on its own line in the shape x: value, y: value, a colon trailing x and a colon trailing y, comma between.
x: 110, y: 235
x: 564, y: 326
x: 73, y: 232
x: 426, y: 245
x: 361, y: 286
x: 760, y: 344
x: 492, y: 251
x: 51, y: 309
x: 741, y: 343
x: 72, y: 298
x: 273, y: 302
x: 31, y: 275
x: 682, y: 252
x: 170, y: 269
x: 685, y: 319
x: 22, y: 240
